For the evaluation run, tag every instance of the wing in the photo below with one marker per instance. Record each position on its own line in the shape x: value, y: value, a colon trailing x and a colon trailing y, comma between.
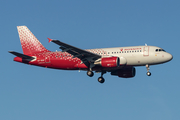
x: 84, y: 55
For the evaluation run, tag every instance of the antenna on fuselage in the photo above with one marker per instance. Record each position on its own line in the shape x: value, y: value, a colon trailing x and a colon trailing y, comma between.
x: 145, y: 44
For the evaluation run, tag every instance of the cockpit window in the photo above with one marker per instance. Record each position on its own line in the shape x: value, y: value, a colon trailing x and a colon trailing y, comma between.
x: 160, y: 50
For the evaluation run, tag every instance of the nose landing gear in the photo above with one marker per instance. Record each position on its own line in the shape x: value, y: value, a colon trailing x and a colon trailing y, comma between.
x: 148, y: 73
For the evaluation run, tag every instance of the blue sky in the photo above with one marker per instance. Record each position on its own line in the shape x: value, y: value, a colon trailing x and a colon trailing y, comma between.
x: 34, y: 93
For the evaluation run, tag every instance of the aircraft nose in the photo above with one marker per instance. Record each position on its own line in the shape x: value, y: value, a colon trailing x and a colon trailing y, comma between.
x: 169, y: 57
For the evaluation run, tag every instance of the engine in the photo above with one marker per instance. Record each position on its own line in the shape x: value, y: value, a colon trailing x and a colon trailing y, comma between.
x: 125, y: 72
x: 108, y: 62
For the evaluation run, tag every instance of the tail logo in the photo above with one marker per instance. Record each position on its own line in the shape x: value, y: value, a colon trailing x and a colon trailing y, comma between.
x: 30, y: 44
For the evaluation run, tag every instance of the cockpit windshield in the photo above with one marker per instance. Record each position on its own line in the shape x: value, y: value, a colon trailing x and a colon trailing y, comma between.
x: 160, y: 50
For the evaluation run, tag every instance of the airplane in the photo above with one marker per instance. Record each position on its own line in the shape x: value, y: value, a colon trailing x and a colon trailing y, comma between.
x: 119, y: 61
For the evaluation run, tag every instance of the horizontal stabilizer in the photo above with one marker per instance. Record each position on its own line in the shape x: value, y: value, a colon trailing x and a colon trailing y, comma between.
x: 21, y: 55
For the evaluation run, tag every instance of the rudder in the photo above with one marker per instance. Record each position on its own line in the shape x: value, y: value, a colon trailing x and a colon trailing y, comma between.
x: 30, y: 44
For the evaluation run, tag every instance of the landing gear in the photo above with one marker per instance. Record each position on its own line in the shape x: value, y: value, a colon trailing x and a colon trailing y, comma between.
x: 148, y: 73
x: 101, y: 79
x: 90, y: 73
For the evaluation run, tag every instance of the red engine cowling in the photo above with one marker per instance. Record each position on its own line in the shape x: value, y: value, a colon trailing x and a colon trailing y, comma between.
x: 108, y: 62
x: 125, y: 72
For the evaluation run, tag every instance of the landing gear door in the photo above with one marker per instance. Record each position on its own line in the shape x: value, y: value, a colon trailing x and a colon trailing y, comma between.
x: 146, y: 51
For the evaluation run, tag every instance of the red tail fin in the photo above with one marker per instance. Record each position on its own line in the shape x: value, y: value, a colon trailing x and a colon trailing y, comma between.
x: 30, y: 44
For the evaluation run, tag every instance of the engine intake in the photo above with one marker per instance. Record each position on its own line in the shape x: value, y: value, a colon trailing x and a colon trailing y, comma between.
x: 108, y: 62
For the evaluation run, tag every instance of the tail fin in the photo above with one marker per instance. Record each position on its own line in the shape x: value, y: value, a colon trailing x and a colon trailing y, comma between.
x: 30, y: 44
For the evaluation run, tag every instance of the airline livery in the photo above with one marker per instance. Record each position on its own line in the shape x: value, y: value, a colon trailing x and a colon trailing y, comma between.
x: 119, y: 61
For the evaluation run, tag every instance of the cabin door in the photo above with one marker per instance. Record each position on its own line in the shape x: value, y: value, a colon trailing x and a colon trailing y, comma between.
x: 146, y: 51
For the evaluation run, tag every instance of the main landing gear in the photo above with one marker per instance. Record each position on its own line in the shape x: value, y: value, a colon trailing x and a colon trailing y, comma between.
x: 148, y: 73
x: 100, y: 79
x: 90, y: 73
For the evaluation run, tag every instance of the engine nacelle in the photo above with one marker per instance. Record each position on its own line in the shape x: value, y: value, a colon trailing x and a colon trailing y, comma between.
x: 125, y: 72
x: 108, y: 62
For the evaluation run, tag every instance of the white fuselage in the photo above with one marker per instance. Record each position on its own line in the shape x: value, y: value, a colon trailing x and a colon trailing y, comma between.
x: 136, y: 55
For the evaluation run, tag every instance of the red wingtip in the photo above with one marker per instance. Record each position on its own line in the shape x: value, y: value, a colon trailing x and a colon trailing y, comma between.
x: 49, y: 40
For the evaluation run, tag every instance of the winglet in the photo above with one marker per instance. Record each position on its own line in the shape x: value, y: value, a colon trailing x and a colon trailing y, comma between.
x: 49, y: 40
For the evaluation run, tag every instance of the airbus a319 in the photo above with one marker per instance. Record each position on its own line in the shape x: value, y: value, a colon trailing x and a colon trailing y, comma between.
x: 119, y: 61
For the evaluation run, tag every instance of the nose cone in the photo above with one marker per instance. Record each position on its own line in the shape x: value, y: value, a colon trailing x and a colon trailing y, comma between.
x: 169, y: 57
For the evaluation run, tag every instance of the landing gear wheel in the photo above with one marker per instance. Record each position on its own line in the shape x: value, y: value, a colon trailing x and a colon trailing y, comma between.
x: 148, y: 74
x: 101, y: 80
x: 90, y: 73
